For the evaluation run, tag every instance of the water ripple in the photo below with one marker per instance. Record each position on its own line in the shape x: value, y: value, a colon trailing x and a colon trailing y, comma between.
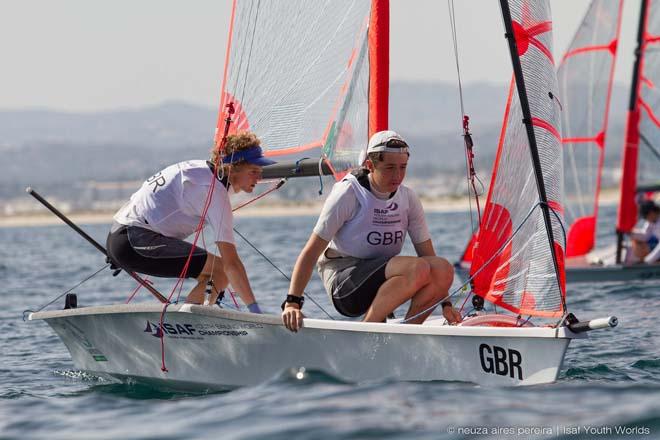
x: 600, y: 372
x: 647, y: 364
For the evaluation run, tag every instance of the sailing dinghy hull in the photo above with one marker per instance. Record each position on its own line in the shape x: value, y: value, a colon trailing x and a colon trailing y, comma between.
x: 589, y: 273
x: 612, y: 273
x: 208, y: 347
x: 600, y: 265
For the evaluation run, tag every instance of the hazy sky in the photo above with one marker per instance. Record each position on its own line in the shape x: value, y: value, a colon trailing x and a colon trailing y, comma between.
x: 82, y: 55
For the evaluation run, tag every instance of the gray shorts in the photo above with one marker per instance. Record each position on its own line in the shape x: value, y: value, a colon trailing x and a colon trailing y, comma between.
x: 352, y: 283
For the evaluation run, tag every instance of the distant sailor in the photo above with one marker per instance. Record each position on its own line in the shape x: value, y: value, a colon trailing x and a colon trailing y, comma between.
x: 149, y: 231
x: 644, y: 238
x: 359, y: 236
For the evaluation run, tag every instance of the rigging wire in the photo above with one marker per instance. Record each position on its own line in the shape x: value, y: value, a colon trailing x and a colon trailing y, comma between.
x: 563, y: 232
x: 280, y: 271
x: 467, y: 136
x: 249, y: 57
x: 25, y: 312
x: 452, y: 23
x: 489, y: 261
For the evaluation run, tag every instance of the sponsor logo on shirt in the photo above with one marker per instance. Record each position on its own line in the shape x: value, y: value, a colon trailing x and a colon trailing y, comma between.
x: 390, y: 215
x: 392, y: 206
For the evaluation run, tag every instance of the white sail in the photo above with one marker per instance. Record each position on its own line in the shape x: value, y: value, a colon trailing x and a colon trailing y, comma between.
x: 297, y: 74
x: 586, y: 74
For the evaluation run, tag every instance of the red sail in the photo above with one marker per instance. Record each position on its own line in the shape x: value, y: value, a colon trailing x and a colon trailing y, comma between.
x: 641, y: 152
x: 515, y: 263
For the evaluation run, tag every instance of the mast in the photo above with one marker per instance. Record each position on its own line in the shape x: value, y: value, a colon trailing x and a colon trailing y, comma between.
x: 627, y: 216
x: 533, y: 148
x: 379, y: 64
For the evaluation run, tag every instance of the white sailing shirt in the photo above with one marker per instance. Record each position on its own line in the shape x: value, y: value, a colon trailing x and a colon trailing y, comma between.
x: 171, y: 203
x: 649, y: 233
x: 361, y: 225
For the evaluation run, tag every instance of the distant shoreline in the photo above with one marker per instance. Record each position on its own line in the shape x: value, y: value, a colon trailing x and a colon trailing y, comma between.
x: 264, y: 210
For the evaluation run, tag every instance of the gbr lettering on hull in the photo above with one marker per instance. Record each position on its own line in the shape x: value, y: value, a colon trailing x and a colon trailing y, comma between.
x: 501, y: 361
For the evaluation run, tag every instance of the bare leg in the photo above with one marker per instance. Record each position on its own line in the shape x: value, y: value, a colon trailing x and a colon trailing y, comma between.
x: 442, y: 275
x: 213, y: 269
x: 196, y: 295
x: 640, y: 249
x: 405, y: 276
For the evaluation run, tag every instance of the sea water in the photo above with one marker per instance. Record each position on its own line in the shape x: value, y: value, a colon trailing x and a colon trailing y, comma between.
x: 609, y: 386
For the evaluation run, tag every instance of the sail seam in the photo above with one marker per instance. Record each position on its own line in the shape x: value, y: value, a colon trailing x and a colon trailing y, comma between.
x: 586, y: 49
x: 649, y: 111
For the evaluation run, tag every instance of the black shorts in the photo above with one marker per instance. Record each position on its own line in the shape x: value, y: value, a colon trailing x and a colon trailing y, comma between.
x: 352, y: 282
x: 150, y: 253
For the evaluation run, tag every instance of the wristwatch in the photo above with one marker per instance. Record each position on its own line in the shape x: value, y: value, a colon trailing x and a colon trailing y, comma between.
x: 294, y: 299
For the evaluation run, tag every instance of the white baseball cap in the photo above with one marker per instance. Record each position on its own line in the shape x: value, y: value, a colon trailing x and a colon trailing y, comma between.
x: 385, y: 141
x: 388, y: 141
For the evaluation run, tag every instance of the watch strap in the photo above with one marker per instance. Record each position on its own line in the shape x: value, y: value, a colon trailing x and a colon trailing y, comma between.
x: 294, y: 300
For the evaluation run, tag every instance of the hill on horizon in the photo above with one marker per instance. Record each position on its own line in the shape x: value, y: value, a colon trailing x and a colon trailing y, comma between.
x: 63, y: 149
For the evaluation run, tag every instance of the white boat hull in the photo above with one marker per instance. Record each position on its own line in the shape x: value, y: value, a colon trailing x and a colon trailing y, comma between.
x: 611, y: 273
x: 210, y: 347
x: 587, y: 273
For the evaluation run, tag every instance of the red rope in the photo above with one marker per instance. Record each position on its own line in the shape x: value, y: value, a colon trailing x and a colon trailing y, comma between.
x: 265, y: 193
x: 231, y: 293
x: 463, y: 305
x: 139, y: 286
x: 200, y: 227
x: 162, y: 338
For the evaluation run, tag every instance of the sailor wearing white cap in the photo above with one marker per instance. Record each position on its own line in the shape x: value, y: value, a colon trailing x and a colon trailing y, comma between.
x: 358, y: 238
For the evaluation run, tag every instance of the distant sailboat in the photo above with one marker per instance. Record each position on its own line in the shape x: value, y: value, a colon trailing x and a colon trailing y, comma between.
x: 585, y: 77
x: 313, y: 74
x: 586, y: 80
